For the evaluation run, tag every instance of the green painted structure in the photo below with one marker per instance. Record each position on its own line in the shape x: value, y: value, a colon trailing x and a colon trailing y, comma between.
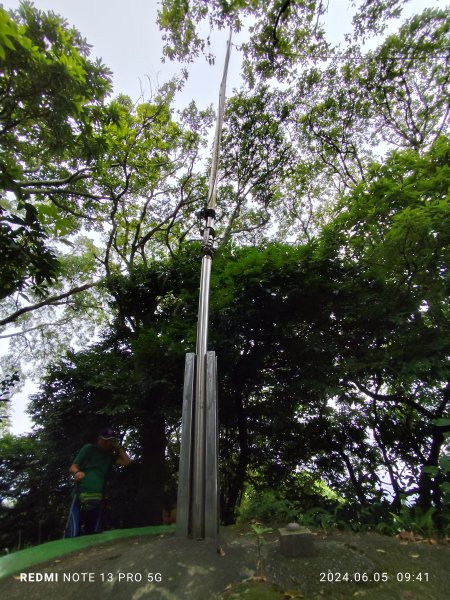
x: 24, y: 559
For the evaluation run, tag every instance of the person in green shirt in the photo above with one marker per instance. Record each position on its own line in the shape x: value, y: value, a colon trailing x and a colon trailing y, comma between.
x: 90, y: 469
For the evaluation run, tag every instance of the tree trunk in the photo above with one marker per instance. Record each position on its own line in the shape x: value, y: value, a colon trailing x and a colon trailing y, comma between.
x: 428, y: 491
x: 354, y: 479
x: 232, y: 496
x: 150, y: 495
x: 377, y: 433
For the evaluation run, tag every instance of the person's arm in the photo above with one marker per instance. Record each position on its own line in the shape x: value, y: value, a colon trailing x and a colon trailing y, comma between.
x: 76, y: 472
x: 122, y: 457
x: 79, y: 459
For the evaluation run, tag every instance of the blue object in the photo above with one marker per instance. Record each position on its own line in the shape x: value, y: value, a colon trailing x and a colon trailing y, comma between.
x: 73, y: 520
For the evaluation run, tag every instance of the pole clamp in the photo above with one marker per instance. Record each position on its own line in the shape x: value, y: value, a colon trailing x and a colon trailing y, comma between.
x: 211, y: 232
x: 206, y: 213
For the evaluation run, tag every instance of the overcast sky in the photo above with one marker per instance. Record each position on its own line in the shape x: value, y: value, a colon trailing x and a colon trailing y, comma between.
x: 125, y: 36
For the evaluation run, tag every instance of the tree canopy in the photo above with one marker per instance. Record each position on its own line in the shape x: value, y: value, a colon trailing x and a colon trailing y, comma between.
x: 51, y: 101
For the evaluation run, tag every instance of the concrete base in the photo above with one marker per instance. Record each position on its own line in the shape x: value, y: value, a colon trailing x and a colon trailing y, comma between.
x: 296, y: 543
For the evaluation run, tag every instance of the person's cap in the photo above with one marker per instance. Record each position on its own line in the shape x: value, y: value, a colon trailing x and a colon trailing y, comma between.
x: 107, y: 434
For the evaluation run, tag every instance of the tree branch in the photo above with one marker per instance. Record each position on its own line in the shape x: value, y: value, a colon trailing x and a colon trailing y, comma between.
x: 47, y: 302
x: 395, y: 398
x: 45, y: 182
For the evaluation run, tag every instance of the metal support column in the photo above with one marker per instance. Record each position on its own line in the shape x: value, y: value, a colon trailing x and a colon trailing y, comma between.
x: 184, y: 473
x: 212, y: 450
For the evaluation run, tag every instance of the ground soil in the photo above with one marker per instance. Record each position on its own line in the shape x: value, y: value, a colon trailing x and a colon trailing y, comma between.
x: 341, y: 566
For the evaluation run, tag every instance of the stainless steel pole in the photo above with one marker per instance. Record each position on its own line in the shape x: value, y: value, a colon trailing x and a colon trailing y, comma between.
x: 198, y: 485
x: 199, y: 449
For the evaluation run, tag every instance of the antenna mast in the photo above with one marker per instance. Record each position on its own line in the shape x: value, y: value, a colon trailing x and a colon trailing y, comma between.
x: 198, y: 484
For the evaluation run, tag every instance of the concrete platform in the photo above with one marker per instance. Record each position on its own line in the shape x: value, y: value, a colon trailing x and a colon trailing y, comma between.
x: 296, y: 542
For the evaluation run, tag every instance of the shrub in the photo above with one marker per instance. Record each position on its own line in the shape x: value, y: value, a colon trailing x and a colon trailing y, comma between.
x: 267, y: 507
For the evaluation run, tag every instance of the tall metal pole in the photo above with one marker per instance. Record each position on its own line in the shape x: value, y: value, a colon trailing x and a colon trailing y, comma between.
x: 199, y: 445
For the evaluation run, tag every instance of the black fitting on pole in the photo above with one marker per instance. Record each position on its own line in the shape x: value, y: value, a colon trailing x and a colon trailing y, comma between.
x: 208, y: 251
x: 210, y: 212
x: 206, y: 213
x: 208, y: 241
x: 211, y: 230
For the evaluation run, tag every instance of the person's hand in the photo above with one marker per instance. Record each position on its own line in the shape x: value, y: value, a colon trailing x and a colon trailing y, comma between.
x: 79, y: 475
x: 115, y: 446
